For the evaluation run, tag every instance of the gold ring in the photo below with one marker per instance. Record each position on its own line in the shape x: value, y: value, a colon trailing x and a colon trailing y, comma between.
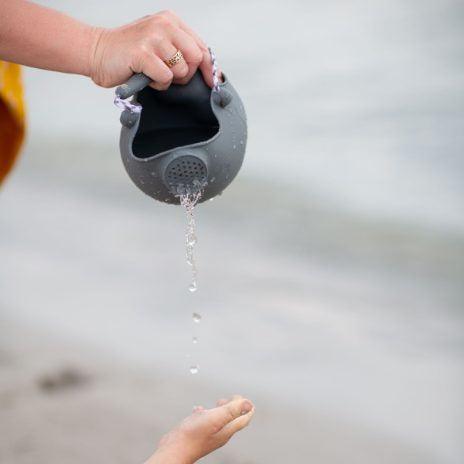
x: 175, y: 59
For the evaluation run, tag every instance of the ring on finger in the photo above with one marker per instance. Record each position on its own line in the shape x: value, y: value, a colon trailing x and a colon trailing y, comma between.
x: 176, y: 58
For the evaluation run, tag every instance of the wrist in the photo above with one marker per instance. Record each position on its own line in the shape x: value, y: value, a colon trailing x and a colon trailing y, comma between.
x: 94, y: 40
x: 172, y: 453
x: 162, y: 457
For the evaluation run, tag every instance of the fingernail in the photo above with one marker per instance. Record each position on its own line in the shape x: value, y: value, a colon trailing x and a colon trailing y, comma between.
x: 246, y: 407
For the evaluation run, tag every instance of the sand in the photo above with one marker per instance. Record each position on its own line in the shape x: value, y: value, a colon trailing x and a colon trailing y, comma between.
x: 63, y: 403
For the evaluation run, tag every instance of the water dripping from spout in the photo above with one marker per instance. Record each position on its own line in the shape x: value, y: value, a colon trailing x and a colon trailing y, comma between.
x: 189, y: 197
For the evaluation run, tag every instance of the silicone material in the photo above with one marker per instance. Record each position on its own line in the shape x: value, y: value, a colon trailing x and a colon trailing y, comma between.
x: 184, y: 134
x: 135, y: 84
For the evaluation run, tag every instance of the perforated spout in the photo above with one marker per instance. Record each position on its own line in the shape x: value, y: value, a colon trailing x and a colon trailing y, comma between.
x: 185, y: 171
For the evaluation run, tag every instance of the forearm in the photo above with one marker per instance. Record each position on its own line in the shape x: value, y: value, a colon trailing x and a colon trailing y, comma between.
x: 37, y: 36
x: 167, y: 458
x: 172, y: 450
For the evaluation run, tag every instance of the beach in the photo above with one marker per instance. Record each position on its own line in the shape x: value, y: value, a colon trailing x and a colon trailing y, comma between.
x: 331, y: 270
x: 337, y: 341
x: 60, y: 402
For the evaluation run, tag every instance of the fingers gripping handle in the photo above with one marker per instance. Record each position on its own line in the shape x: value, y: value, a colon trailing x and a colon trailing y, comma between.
x: 139, y: 81
x: 133, y: 85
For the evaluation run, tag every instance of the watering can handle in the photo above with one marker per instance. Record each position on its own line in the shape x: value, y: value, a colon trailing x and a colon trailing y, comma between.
x: 134, y: 84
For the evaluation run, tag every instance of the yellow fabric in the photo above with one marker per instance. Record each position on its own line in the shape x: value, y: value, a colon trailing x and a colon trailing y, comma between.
x: 12, y: 116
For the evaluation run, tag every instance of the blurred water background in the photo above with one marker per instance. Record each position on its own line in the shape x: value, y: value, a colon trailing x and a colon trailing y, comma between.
x: 332, y: 269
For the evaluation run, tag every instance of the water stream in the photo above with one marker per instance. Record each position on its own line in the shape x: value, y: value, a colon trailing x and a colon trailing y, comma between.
x: 188, y: 199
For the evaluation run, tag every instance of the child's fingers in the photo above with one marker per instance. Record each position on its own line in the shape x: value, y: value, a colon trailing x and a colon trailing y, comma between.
x: 230, y: 411
x: 233, y: 427
x: 224, y: 401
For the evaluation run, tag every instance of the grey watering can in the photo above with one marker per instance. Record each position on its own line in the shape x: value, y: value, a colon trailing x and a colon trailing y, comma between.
x: 183, y: 139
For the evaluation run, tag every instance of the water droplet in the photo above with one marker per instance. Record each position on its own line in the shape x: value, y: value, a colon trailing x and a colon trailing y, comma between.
x: 194, y: 369
x: 241, y: 142
x: 234, y: 147
x: 211, y: 199
x: 191, y: 240
x: 196, y: 318
x: 212, y: 179
x: 194, y: 340
x: 193, y: 286
x: 199, y: 184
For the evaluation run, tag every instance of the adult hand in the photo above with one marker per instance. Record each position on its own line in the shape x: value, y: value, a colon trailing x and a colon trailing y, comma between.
x: 143, y: 46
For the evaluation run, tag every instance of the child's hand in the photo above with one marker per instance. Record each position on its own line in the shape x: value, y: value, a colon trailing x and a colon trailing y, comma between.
x: 143, y: 46
x: 203, y: 432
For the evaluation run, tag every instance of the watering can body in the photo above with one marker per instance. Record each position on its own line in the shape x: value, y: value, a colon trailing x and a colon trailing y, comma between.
x: 184, y: 138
